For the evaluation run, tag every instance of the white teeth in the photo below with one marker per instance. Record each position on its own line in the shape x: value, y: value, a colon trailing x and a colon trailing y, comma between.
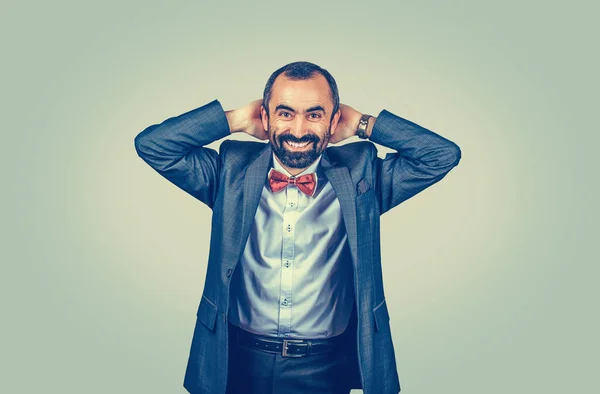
x: 297, y: 145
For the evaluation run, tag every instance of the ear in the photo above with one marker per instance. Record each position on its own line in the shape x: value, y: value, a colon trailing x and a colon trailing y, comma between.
x: 335, y: 120
x: 264, y: 117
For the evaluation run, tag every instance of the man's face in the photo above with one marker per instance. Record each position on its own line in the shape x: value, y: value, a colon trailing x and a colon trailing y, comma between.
x: 300, y: 120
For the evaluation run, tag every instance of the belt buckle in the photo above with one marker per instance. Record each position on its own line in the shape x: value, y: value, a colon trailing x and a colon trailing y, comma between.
x: 284, y: 350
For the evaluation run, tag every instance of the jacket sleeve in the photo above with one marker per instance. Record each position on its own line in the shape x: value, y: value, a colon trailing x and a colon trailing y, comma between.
x: 175, y: 149
x: 422, y: 158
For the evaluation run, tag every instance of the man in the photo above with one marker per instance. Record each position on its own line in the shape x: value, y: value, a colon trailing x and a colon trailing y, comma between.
x: 293, y: 299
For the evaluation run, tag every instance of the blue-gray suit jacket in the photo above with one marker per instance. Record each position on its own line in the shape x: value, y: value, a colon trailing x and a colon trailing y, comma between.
x: 230, y: 183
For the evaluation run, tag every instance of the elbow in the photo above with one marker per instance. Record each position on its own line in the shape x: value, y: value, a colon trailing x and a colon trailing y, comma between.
x: 141, y: 142
x: 138, y: 143
x: 446, y: 158
x: 455, y: 154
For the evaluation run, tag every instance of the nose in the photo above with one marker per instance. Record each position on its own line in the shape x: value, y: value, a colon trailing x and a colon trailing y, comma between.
x: 299, y: 127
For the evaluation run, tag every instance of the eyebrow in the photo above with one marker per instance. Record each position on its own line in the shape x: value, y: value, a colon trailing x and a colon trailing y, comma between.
x: 311, y: 109
x: 284, y: 107
x: 316, y: 108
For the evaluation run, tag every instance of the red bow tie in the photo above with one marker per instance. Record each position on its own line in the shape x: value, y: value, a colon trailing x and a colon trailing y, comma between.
x: 306, y: 183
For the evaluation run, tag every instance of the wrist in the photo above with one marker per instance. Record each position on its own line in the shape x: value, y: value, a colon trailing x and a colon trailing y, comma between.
x: 370, y: 124
x: 364, y: 126
x: 233, y: 118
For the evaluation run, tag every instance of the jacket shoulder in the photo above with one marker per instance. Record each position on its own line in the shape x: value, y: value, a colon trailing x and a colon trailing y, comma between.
x: 233, y: 151
x: 354, y: 152
x: 242, y: 146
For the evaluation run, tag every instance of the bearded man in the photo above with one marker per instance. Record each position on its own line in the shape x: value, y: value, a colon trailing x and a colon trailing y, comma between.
x: 293, y: 300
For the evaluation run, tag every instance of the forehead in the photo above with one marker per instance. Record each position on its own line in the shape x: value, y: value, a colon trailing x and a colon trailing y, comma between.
x: 301, y: 94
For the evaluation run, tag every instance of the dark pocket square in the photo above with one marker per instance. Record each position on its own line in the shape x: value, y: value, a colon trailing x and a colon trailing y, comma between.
x: 362, y: 186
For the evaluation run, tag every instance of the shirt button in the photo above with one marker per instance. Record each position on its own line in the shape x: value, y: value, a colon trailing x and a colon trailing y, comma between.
x: 289, y: 227
x: 287, y: 264
x: 229, y: 272
x: 284, y: 302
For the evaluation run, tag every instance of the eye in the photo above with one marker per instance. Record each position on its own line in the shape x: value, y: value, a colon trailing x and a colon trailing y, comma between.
x: 315, y: 115
x: 285, y: 114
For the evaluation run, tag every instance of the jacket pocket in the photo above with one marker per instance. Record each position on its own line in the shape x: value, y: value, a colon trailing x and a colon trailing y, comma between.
x: 207, y: 313
x: 382, y: 317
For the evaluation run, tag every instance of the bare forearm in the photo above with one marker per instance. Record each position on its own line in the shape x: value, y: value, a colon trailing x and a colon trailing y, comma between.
x: 247, y: 119
x: 235, y: 120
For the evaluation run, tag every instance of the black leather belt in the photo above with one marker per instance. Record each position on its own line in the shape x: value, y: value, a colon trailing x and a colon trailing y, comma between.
x: 287, y: 347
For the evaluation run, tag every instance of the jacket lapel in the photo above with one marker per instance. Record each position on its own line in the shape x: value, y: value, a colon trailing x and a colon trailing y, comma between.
x: 342, y: 184
x: 254, y: 180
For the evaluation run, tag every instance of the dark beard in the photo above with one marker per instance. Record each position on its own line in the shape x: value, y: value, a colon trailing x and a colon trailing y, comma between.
x: 298, y: 159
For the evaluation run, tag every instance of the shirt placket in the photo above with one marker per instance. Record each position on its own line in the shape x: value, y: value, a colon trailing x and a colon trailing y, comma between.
x: 287, y: 261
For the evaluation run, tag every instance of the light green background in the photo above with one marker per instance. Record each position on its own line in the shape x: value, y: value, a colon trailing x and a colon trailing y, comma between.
x: 490, y: 275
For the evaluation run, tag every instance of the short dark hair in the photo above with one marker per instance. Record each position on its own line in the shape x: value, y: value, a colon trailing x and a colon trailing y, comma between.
x: 300, y: 71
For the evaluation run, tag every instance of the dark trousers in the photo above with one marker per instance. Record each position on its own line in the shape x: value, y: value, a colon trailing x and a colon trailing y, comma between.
x: 254, y: 371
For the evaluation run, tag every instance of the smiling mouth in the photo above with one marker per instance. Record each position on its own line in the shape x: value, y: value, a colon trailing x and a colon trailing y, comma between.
x: 296, y: 145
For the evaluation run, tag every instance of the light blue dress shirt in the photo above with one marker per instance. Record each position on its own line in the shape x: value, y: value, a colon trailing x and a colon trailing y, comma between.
x: 294, y: 278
